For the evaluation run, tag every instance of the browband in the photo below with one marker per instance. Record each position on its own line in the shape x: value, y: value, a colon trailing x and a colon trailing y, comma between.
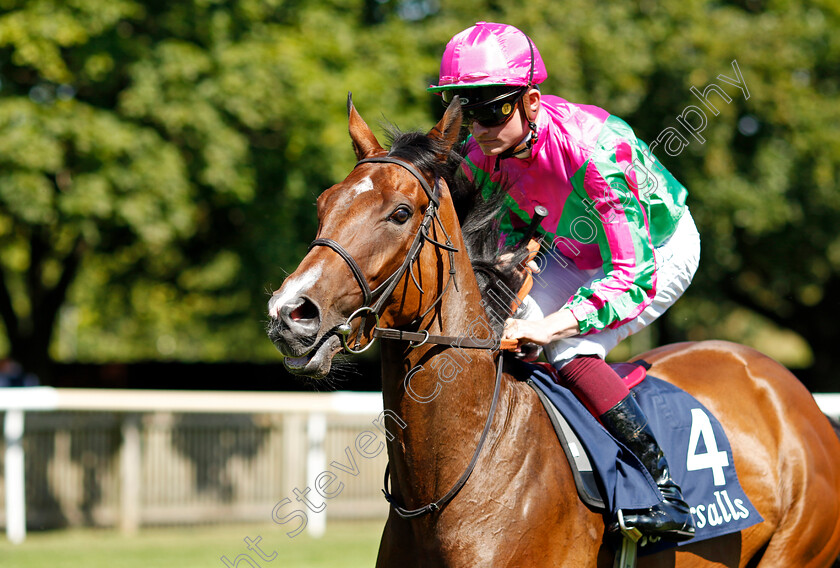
x: 431, y: 193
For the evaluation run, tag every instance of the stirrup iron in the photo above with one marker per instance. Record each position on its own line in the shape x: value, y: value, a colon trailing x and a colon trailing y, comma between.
x: 630, y: 536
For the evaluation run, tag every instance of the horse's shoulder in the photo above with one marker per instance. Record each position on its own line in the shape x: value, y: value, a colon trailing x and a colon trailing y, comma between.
x: 524, y: 403
x: 522, y: 394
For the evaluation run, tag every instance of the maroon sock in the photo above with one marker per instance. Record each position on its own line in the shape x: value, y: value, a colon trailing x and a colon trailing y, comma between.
x: 593, y: 382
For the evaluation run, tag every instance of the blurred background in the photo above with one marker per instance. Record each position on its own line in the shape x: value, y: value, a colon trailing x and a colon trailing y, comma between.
x: 159, y: 162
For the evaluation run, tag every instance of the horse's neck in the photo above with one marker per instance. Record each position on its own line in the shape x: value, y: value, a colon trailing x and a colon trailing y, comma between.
x: 439, y: 395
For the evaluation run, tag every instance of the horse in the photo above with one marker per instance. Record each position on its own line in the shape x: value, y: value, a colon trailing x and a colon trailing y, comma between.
x: 473, y: 457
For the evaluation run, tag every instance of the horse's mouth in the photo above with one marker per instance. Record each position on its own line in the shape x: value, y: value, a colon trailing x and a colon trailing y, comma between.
x: 315, y: 363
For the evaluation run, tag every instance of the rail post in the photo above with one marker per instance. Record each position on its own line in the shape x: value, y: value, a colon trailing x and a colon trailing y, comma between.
x: 14, y: 474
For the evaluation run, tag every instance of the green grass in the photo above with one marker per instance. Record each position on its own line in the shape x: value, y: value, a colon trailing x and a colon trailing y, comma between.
x: 345, y: 545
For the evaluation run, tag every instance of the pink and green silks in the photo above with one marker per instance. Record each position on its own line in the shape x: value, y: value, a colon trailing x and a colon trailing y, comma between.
x: 610, y: 203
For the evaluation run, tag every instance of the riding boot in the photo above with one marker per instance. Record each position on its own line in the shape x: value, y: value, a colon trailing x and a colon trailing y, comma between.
x: 671, y: 518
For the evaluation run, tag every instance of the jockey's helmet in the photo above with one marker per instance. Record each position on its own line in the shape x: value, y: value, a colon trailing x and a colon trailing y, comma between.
x: 489, y: 63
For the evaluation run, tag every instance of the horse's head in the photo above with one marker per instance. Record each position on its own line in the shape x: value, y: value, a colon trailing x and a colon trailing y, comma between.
x: 368, y: 238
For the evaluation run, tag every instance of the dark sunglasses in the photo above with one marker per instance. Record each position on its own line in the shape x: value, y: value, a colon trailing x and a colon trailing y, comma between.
x: 487, y: 106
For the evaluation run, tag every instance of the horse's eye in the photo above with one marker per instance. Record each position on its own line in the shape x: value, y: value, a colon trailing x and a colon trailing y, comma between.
x: 400, y: 215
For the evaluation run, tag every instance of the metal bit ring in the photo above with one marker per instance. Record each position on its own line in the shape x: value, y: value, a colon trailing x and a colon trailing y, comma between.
x: 345, y: 329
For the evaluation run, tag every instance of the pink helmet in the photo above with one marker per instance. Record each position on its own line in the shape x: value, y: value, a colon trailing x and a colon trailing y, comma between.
x: 490, y: 54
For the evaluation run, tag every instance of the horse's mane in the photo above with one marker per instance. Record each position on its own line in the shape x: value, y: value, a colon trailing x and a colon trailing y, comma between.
x: 479, y: 216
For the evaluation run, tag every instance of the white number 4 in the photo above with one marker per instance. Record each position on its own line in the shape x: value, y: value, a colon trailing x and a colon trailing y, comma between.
x: 712, y: 459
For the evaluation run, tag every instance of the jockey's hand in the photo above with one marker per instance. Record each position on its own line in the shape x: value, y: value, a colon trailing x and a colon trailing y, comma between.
x: 526, y: 331
x: 531, y: 264
x: 559, y: 325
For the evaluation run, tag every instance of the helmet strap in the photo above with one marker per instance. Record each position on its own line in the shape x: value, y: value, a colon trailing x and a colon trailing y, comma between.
x: 532, y: 136
x: 524, y: 145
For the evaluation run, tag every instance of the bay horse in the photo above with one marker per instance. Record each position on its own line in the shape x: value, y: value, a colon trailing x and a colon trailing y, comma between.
x: 519, y: 506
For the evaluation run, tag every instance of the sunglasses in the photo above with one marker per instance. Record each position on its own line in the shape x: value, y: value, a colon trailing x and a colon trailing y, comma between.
x: 492, y: 107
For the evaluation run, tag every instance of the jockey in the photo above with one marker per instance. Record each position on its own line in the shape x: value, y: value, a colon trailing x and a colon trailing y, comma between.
x: 619, y: 244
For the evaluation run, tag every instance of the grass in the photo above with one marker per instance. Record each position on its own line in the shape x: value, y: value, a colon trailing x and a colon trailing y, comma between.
x: 345, y: 545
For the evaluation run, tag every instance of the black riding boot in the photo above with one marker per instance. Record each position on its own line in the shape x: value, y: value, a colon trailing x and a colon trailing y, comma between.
x: 671, y: 518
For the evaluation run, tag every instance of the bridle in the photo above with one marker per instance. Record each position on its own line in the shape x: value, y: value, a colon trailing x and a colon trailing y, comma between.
x: 383, y: 291
x: 375, y: 299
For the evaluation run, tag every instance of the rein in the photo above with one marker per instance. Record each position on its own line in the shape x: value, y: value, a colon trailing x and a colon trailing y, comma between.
x: 440, y: 503
x: 381, y: 293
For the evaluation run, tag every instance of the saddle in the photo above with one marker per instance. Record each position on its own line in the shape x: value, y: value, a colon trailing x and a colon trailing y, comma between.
x: 609, y: 477
x: 585, y: 479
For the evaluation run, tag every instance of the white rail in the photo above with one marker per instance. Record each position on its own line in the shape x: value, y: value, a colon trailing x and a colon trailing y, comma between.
x: 16, y: 401
x: 125, y: 400
x: 829, y: 403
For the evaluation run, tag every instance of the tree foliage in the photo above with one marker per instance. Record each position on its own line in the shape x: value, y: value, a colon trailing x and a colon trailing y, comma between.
x: 159, y: 160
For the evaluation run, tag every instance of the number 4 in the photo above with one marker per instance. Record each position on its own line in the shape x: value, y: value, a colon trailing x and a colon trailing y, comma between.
x: 712, y: 459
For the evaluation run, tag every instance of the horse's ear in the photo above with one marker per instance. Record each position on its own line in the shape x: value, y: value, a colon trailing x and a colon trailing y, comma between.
x: 448, y: 129
x: 364, y: 142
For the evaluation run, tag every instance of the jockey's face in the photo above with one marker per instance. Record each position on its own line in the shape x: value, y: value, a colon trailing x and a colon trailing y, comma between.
x: 494, y: 140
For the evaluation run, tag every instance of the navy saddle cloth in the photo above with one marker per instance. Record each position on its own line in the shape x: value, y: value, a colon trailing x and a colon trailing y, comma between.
x: 698, y: 452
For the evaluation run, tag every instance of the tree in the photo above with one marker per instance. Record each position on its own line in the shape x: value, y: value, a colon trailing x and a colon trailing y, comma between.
x: 159, y: 160
x: 75, y: 179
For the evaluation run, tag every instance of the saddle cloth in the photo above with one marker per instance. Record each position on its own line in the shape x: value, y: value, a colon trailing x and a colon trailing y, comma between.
x: 610, y: 477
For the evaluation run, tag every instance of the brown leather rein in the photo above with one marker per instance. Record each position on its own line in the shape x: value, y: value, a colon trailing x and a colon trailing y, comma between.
x: 381, y: 293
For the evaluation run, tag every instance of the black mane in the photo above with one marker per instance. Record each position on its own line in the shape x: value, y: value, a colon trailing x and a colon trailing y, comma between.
x: 479, y: 218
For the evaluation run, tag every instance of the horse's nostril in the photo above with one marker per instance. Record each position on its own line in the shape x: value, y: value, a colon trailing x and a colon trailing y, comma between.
x: 306, y: 311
